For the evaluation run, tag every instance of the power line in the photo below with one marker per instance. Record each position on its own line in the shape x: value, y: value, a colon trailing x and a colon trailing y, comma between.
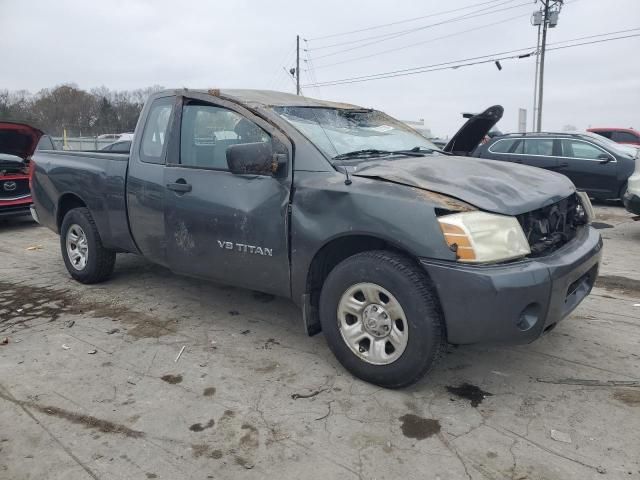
x: 594, y: 41
x: 464, y: 62
x: 374, y: 27
x: 383, y: 52
x: 597, y: 35
x: 287, y: 55
x: 399, y: 33
x: 407, y: 32
x: 394, y: 73
x: 483, y: 56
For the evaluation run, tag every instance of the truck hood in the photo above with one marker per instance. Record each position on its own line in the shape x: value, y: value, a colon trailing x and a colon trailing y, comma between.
x: 18, y: 139
x: 490, y: 185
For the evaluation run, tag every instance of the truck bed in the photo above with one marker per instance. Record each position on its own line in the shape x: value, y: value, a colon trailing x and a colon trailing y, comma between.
x: 97, y: 179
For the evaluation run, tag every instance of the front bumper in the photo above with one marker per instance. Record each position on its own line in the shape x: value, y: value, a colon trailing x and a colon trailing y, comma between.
x: 19, y: 210
x: 631, y: 202
x: 515, y: 303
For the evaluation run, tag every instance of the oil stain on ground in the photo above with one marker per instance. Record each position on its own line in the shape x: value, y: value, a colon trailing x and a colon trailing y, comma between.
x: 172, y: 379
x: 22, y: 304
x: 628, y: 397
x: 250, y: 438
x: 417, y: 427
x: 469, y: 392
x: 209, y: 391
x: 614, y: 282
x: 198, y: 427
x: 104, y: 426
x: 601, y: 225
x: 204, y: 450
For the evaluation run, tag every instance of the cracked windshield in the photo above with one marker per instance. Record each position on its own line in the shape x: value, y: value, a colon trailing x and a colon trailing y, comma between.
x: 348, y: 133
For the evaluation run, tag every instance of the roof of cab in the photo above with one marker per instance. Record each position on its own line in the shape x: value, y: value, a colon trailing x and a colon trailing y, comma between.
x: 266, y: 98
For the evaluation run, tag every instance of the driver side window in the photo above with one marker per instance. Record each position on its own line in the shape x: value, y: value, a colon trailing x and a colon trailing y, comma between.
x: 207, y: 131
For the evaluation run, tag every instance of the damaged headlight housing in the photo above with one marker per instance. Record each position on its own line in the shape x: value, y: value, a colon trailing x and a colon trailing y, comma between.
x: 481, y: 237
x: 584, y: 209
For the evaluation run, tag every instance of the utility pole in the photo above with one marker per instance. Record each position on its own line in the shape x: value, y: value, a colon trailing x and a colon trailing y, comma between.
x: 547, y: 17
x: 542, y: 52
x: 297, y: 64
x: 535, y: 83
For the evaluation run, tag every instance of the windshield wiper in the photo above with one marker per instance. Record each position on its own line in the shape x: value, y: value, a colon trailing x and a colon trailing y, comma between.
x: 362, y: 153
x: 418, y: 151
x: 412, y: 152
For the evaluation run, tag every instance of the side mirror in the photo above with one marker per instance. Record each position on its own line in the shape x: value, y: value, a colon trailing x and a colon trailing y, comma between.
x: 604, y: 158
x: 252, y: 158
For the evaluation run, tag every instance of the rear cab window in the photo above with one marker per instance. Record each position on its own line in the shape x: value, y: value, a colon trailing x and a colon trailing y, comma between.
x: 154, y: 136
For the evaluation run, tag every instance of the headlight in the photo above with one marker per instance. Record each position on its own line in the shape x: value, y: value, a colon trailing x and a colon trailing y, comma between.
x: 589, y: 213
x: 479, y: 237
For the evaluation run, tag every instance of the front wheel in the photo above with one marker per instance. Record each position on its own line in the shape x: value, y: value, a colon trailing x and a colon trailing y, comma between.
x: 381, y: 318
x: 84, y: 256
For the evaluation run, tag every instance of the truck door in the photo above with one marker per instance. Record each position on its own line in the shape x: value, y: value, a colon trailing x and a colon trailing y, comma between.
x: 228, y: 227
x: 145, y: 180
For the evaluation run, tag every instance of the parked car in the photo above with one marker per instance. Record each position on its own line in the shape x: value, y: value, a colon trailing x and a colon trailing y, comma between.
x: 391, y: 247
x: 118, y: 147
x: 17, y: 143
x: 115, y: 136
x: 618, y: 135
x: 594, y: 164
x: 631, y: 198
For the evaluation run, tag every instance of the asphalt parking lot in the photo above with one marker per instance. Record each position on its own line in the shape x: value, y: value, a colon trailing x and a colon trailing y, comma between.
x: 90, y: 386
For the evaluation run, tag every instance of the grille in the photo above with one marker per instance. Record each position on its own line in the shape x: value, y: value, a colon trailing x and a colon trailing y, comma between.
x: 11, y: 188
x: 551, y: 227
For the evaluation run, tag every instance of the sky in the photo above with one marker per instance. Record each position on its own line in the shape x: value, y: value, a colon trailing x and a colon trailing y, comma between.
x: 250, y: 43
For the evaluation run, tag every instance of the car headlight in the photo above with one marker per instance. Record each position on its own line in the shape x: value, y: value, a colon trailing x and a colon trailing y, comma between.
x: 480, y: 237
x: 587, y: 209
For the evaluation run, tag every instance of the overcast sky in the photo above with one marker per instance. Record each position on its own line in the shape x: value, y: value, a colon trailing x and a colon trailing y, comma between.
x: 245, y: 44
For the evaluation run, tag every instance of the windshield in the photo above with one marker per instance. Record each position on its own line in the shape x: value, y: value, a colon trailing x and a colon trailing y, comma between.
x: 337, y: 132
x: 611, y: 145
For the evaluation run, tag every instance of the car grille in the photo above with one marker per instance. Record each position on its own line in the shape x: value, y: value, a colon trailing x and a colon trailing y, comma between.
x: 551, y: 227
x: 13, y: 188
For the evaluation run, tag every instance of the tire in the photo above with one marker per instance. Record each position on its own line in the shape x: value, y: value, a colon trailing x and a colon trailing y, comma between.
x: 98, y: 262
x: 396, y: 279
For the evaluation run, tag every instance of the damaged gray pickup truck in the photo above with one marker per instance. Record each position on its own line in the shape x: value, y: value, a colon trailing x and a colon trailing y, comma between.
x: 391, y: 247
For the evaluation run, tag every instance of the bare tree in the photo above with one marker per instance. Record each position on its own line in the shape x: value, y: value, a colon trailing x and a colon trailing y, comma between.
x: 67, y: 107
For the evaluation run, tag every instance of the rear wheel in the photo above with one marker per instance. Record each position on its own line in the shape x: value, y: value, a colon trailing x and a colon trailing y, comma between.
x: 84, y: 256
x: 381, y: 318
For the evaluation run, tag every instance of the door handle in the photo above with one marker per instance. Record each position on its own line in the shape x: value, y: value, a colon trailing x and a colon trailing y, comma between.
x: 563, y: 165
x: 180, y: 187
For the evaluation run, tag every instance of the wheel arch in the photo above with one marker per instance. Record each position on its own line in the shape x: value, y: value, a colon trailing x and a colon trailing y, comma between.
x: 66, y: 203
x: 327, y: 257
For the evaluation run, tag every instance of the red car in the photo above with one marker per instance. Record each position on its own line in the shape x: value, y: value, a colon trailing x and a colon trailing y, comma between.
x: 17, y: 143
x: 619, y: 135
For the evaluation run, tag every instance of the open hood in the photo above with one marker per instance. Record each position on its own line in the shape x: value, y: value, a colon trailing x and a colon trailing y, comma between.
x: 18, y: 139
x: 473, y: 131
x: 499, y: 187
